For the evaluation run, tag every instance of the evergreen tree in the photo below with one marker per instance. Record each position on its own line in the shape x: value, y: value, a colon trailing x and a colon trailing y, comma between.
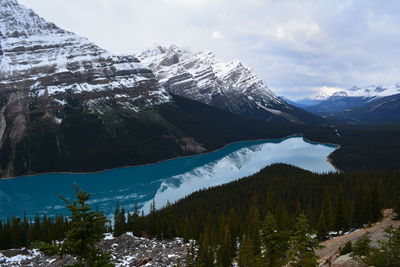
x: 388, y: 253
x: 191, y: 255
x: 303, y: 245
x: 346, y: 249
x: 340, y: 220
x: 327, y: 210
x: 254, y: 227
x: 322, y: 227
x: 205, y: 254
x: 357, y: 208
x: 270, y: 203
x: 275, y: 243
x: 119, y: 221
x: 153, y: 206
x: 133, y: 223
x: 362, y: 247
x: 246, y: 257
x: 87, y: 228
x: 224, y: 253
x: 376, y: 201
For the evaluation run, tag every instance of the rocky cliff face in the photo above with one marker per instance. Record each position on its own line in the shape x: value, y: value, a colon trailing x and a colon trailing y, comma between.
x: 202, y: 77
x: 41, y: 64
x: 42, y: 67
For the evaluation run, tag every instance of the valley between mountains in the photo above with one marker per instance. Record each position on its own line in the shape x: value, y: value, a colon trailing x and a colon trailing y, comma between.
x: 71, y: 111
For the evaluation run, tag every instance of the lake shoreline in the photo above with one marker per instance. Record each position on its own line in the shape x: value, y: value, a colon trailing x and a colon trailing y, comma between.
x: 337, y: 146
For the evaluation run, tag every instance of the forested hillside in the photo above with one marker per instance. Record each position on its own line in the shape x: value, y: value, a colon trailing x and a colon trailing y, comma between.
x: 281, y: 196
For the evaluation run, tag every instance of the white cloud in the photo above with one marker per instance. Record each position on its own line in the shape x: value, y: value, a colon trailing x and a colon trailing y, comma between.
x: 295, y: 46
x: 216, y: 35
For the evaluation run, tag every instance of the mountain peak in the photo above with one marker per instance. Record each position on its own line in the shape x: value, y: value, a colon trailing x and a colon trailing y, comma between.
x: 232, y: 86
x: 16, y: 20
x: 41, y: 59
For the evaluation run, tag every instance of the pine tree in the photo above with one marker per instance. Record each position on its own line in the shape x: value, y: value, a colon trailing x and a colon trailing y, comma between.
x: 153, y: 206
x: 362, y: 247
x: 246, y: 257
x: 340, y: 221
x: 191, y: 255
x: 133, y: 221
x: 254, y: 227
x: 327, y: 210
x: 270, y: 202
x: 303, y: 245
x: 357, y: 210
x: 119, y: 221
x: 322, y: 227
x: 205, y: 254
x: 275, y: 243
x: 224, y: 253
x: 87, y: 228
x: 388, y: 253
x: 346, y: 249
x: 376, y: 201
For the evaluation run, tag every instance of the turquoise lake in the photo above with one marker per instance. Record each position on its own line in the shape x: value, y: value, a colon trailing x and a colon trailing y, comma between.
x: 165, y: 181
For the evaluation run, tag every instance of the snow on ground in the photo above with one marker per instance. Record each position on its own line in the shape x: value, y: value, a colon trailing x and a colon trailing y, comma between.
x: 126, y: 250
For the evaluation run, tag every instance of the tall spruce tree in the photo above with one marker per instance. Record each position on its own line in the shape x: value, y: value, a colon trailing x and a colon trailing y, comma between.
x: 205, y: 255
x: 275, y: 243
x: 224, y: 253
x: 254, y: 226
x: 303, y: 245
x: 119, y: 221
x: 87, y: 228
x: 340, y: 217
x: 376, y: 203
x: 322, y: 226
x: 246, y: 257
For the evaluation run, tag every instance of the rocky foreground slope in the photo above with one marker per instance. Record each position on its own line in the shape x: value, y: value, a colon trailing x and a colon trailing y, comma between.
x: 329, y: 254
x: 126, y: 250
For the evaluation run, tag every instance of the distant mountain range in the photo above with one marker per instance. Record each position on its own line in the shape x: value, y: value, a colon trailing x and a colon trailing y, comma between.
x: 370, y: 104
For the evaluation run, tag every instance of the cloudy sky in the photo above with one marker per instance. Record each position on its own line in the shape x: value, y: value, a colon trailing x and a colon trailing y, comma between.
x: 299, y: 48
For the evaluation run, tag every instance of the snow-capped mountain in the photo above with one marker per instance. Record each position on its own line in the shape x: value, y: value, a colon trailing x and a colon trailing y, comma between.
x: 38, y: 58
x: 354, y: 97
x: 231, y: 85
x: 68, y: 105
x: 43, y: 69
x: 371, y: 91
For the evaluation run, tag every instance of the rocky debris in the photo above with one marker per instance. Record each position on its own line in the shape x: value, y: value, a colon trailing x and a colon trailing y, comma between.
x: 126, y: 250
x: 347, y: 261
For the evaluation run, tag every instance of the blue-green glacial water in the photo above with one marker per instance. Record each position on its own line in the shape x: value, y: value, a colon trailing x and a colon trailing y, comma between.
x: 164, y: 181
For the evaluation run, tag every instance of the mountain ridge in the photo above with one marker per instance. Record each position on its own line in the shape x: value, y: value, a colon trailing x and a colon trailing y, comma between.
x: 231, y: 86
x: 68, y: 105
